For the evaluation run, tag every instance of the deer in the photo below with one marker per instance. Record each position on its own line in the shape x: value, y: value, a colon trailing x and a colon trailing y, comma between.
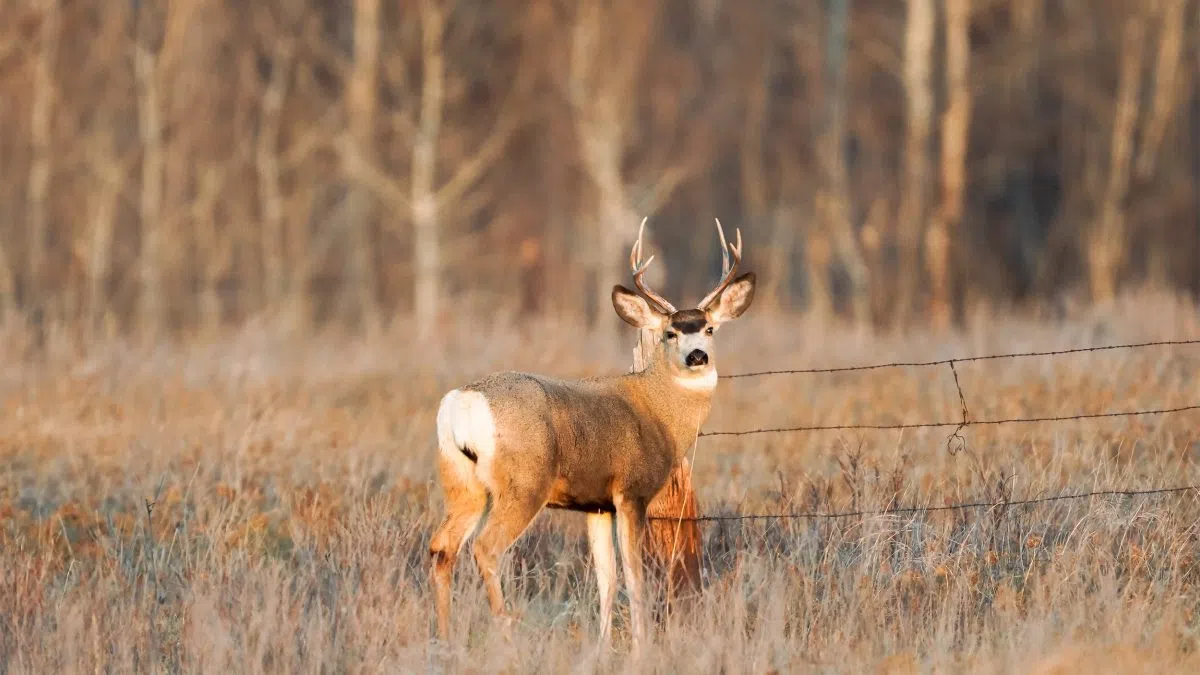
x: 512, y: 443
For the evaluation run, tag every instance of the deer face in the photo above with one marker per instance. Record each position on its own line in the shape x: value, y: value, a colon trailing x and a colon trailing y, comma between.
x: 686, y: 336
x: 687, y: 339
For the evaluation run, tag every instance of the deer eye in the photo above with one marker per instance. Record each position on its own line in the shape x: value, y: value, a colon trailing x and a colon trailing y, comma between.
x: 708, y: 331
x: 671, y: 335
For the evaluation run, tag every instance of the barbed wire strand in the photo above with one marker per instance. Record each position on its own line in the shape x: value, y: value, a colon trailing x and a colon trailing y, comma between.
x: 961, y: 359
x: 929, y: 509
x: 964, y: 422
x: 942, y: 425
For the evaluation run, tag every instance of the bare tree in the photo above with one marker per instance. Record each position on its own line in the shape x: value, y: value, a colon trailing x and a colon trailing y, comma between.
x: 426, y: 250
x: 833, y: 199
x: 156, y: 50
x: 118, y: 173
x: 145, y: 63
x: 956, y: 120
x: 756, y: 191
x: 429, y: 198
x: 110, y: 176
x: 267, y: 164
x: 1107, y: 240
x: 8, y: 291
x: 1172, y: 22
x: 606, y: 59
x: 768, y: 189
x: 918, y: 53
x: 765, y: 194
x: 41, y: 131
x: 361, y: 104
x: 217, y: 244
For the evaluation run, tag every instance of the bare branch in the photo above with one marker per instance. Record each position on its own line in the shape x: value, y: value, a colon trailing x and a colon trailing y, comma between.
x: 508, y: 120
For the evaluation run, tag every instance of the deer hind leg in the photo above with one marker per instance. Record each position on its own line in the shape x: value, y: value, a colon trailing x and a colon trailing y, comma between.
x: 507, y: 520
x: 466, y: 502
x: 631, y: 520
x: 604, y: 557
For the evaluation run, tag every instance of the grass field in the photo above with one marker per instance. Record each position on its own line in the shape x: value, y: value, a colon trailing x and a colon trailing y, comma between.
x: 293, y: 498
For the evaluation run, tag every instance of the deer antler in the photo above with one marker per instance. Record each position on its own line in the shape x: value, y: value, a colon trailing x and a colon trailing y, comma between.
x: 639, y: 268
x: 727, y: 270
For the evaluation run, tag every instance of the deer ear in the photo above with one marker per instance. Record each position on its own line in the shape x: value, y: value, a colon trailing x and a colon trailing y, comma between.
x: 734, y: 300
x: 634, y: 309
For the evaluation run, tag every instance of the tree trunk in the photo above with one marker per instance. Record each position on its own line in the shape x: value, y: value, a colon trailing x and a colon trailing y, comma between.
x: 217, y: 246
x: 870, y: 240
x: 300, y: 252
x: 427, y: 254
x: 601, y: 86
x: 41, y: 128
x: 955, y: 125
x: 818, y: 253
x: 918, y: 52
x: 1106, y: 246
x: 672, y: 546
x: 835, y: 199
x: 151, y: 308
x: 610, y: 266
x: 105, y: 199
x: 779, y: 258
x: 426, y: 249
x: 361, y: 105
x: 754, y: 186
x: 1166, y: 84
x: 270, y: 194
x: 1024, y: 88
x: 8, y: 287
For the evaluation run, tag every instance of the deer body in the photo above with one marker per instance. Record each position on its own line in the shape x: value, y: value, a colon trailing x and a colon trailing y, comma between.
x: 579, y: 441
x: 510, y: 444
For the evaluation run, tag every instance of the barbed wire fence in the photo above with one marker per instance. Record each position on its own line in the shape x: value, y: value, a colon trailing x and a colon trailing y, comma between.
x: 955, y: 441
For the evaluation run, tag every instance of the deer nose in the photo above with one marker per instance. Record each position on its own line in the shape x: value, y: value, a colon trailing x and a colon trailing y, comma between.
x: 697, y: 357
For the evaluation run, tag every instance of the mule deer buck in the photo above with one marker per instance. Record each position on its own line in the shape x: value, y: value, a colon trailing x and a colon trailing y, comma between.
x: 512, y: 443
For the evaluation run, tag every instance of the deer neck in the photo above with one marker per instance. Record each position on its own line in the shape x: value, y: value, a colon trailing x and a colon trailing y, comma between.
x: 680, y: 402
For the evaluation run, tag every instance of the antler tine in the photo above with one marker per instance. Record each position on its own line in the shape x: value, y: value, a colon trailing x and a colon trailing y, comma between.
x: 639, y: 269
x: 728, y: 249
x: 724, y: 249
x: 635, y: 254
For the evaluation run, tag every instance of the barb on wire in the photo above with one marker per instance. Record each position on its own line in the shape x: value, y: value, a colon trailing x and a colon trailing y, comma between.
x: 907, y: 510
x: 961, y: 359
x: 942, y: 425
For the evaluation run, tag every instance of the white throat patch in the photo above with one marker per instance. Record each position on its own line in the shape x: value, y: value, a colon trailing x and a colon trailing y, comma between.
x: 705, y: 382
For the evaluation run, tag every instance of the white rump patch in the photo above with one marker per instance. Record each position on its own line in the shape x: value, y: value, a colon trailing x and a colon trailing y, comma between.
x: 705, y: 382
x: 464, y: 420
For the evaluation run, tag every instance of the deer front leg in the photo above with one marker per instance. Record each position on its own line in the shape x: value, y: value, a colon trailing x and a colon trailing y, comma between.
x: 631, y: 519
x: 604, y: 558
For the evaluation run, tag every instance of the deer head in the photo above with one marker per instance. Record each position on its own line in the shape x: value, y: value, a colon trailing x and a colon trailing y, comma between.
x: 685, y: 337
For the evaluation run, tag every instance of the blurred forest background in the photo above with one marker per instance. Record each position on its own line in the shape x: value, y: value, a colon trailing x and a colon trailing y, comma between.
x: 174, y: 168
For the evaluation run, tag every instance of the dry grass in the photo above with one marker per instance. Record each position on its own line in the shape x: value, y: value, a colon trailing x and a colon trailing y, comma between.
x: 293, y: 501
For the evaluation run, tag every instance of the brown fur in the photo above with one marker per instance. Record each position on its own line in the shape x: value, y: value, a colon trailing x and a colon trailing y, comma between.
x: 605, y: 446
x: 598, y: 437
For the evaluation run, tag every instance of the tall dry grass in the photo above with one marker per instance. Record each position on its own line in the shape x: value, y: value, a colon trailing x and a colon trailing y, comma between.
x: 291, y: 497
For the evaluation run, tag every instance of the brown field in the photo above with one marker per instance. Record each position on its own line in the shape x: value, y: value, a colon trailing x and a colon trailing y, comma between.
x: 293, y: 497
